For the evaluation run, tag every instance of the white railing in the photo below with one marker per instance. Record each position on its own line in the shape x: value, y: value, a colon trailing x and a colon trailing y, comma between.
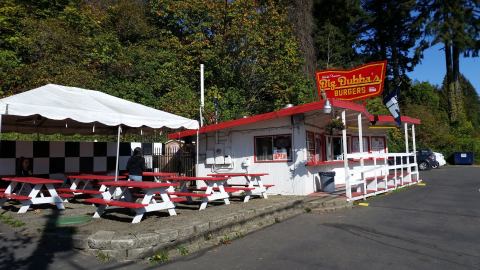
x: 378, y: 173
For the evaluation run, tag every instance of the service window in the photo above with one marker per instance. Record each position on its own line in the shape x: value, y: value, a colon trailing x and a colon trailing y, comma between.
x: 335, y: 148
x: 356, y: 147
x: 377, y: 144
x: 314, y: 146
x: 273, y: 148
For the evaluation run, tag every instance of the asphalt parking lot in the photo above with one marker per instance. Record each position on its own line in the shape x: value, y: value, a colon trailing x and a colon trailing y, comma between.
x: 436, y: 226
x: 432, y: 227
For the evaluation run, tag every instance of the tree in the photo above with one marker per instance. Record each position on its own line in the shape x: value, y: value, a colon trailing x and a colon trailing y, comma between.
x: 337, y: 32
x: 456, y: 24
x: 391, y: 31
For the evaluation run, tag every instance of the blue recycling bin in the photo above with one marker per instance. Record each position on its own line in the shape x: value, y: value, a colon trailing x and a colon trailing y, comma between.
x: 463, y: 158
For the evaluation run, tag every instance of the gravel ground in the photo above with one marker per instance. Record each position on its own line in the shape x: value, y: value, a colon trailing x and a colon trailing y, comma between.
x: 119, y: 220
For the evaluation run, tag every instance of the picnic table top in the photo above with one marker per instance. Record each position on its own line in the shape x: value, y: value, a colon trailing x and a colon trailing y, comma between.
x: 135, y: 184
x: 95, y: 177
x: 193, y: 178
x: 32, y: 180
x: 159, y: 174
x: 237, y: 174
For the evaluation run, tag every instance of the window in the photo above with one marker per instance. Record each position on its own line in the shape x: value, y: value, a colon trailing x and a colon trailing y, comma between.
x: 314, y: 146
x: 378, y: 144
x: 335, y: 148
x: 356, y: 147
x: 273, y: 148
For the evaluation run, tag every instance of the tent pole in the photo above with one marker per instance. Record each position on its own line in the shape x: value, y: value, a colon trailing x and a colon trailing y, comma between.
x: 1, y: 127
x: 118, y: 152
x: 198, y: 154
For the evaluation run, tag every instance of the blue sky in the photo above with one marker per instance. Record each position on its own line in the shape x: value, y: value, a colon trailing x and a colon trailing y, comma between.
x: 432, y: 68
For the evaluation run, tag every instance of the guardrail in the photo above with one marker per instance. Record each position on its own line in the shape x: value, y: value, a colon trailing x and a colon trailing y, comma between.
x: 384, y: 172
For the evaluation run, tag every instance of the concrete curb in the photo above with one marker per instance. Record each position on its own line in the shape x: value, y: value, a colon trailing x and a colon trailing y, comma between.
x: 164, y: 245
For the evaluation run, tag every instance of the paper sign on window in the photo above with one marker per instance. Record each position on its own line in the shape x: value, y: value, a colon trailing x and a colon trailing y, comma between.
x: 280, y: 154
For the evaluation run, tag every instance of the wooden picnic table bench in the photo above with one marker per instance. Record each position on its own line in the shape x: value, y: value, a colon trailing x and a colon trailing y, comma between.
x: 254, y: 184
x: 30, y: 191
x: 214, y: 189
x: 86, y: 184
x: 125, y: 199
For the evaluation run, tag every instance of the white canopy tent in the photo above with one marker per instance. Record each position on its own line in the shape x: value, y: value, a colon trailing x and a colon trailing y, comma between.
x: 70, y: 110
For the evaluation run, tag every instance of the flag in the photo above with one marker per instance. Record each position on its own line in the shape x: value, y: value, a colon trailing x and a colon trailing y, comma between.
x: 391, y: 101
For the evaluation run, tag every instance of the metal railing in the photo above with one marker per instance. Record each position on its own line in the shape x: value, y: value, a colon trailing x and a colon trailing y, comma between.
x: 179, y: 162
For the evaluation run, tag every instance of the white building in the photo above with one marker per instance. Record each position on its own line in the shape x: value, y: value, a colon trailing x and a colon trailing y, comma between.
x: 294, y: 144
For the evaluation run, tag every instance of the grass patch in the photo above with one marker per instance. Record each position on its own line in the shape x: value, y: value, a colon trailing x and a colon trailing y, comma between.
x: 102, y: 256
x: 225, y: 240
x: 9, y: 220
x: 160, y: 256
x: 183, y: 250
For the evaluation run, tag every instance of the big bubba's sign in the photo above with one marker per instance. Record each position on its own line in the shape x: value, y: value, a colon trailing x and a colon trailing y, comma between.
x: 358, y: 83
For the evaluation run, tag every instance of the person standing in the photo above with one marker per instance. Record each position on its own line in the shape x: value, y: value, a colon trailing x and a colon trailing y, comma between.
x: 136, y: 165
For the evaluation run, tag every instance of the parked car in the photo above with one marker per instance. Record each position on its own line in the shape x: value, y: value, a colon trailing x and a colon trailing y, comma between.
x: 426, y: 159
x: 440, y: 159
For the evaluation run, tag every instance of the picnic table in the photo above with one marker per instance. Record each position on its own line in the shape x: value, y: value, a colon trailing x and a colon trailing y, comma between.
x: 158, y: 175
x: 214, y: 191
x: 31, y: 190
x: 125, y: 199
x: 253, y: 186
x: 84, y: 184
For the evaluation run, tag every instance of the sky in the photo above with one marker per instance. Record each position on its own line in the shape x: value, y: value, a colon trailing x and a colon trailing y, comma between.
x: 432, y: 68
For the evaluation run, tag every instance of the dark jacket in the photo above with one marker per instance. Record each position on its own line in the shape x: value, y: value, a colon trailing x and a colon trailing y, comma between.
x: 136, y: 165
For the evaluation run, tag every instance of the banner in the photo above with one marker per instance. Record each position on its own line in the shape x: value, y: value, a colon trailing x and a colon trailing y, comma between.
x: 358, y: 83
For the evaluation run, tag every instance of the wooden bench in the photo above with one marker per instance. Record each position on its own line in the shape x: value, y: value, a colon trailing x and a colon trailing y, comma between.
x: 372, y: 178
x: 82, y: 191
x: 231, y: 189
x: 255, y: 186
x: 14, y: 197
x: 131, y: 205
x: 65, y: 195
x: 158, y: 197
x: 189, y: 194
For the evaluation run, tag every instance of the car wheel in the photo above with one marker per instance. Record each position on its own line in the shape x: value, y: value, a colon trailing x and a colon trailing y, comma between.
x: 435, y: 165
x: 423, y: 166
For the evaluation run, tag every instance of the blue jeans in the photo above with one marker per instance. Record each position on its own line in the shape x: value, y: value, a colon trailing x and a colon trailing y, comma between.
x: 137, y: 178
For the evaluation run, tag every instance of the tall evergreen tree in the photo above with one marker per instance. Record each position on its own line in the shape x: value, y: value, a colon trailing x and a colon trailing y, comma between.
x: 456, y: 24
x: 337, y: 32
x: 391, y: 30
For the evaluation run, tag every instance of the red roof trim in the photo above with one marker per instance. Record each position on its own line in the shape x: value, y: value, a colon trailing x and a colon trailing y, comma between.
x: 390, y: 119
x: 313, y: 106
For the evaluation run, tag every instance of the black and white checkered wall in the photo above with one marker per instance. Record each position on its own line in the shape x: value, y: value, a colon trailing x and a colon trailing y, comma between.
x: 54, y: 159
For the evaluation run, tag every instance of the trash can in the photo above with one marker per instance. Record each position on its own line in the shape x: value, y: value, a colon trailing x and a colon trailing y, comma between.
x: 463, y: 158
x: 327, y: 179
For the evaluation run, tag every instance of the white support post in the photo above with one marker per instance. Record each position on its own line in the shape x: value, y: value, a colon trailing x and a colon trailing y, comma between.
x: 198, y: 154
x: 406, y: 138
x: 118, y: 151
x: 414, y: 145
x: 345, y: 159
x: 360, y: 138
x: 202, y: 94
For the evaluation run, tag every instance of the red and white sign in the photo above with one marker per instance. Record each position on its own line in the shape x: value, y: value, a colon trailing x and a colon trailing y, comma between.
x: 358, y: 83
x: 280, y: 154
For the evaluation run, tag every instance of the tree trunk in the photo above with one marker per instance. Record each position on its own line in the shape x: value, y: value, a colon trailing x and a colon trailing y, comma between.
x: 300, y: 15
x: 456, y: 82
x: 452, y: 104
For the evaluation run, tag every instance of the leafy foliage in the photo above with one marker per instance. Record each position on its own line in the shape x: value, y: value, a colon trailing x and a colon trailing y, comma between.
x: 150, y: 51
